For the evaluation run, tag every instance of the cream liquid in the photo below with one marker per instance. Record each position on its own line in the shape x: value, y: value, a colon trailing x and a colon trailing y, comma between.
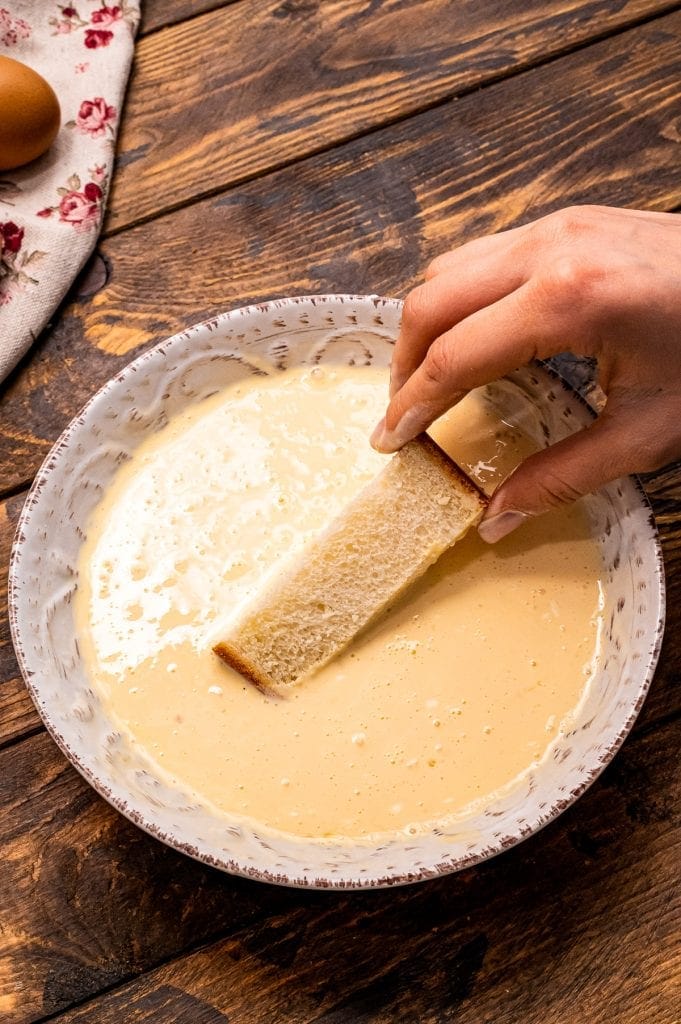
x: 445, y: 700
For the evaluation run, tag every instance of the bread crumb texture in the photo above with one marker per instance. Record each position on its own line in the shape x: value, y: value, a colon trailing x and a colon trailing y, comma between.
x: 419, y: 505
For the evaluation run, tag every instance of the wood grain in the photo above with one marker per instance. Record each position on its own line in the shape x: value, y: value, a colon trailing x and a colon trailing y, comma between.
x: 18, y: 716
x: 580, y: 923
x: 158, y: 14
x: 255, y: 85
x: 9, y: 513
x: 85, y: 897
x: 365, y: 218
x: 529, y: 936
x: 372, y: 218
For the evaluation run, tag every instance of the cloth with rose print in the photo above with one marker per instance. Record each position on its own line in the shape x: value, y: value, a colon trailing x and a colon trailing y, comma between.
x: 51, y: 209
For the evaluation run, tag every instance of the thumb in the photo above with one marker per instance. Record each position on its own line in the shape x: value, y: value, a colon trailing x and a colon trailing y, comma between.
x: 564, y: 472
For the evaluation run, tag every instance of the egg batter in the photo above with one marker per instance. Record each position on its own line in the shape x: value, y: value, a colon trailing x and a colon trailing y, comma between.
x: 444, y: 701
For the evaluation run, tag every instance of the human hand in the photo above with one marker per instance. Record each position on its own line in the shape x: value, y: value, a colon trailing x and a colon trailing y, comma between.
x: 593, y: 280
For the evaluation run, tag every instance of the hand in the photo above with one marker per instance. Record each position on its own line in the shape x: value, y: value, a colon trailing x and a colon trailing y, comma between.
x: 592, y: 280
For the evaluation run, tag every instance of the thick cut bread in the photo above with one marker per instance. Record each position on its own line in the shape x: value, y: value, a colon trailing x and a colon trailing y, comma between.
x: 398, y: 525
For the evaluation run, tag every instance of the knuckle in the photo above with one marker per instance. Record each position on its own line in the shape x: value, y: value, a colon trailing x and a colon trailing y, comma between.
x: 571, y: 222
x: 570, y: 277
x: 553, y: 490
x: 558, y: 230
x: 415, y: 309
x: 437, y: 265
x: 438, y: 364
x: 567, y: 273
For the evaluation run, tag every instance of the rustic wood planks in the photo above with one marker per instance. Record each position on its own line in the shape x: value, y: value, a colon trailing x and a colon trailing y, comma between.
x: 581, y: 922
x: 158, y: 14
x: 367, y: 217
x: 18, y: 716
x: 530, y: 936
x: 9, y: 516
x: 251, y: 86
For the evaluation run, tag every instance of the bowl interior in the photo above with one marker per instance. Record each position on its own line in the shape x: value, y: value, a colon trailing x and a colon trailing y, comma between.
x: 265, y: 339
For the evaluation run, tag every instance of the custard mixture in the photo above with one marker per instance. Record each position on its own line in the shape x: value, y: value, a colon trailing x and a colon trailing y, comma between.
x: 444, y: 701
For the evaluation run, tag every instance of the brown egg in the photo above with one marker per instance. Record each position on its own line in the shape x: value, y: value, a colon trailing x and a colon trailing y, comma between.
x: 29, y: 114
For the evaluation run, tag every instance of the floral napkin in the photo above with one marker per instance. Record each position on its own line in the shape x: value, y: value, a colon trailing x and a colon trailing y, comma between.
x: 51, y: 209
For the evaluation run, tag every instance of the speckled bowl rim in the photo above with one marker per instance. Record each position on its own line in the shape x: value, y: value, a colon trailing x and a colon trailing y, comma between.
x: 447, y: 866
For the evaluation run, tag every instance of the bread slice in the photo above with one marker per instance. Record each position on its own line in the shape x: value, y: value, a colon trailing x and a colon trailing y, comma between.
x: 397, y: 526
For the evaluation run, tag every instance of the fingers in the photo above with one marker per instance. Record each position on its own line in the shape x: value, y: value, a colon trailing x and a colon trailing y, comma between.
x: 564, y: 472
x: 457, y: 284
x: 471, y: 252
x: 486, y: 345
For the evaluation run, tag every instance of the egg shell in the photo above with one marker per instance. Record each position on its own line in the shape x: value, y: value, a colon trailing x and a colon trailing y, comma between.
x: 29, y: 114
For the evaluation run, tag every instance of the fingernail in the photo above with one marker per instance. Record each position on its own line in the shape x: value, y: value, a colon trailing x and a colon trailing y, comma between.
x: 388, y: 441
x: 493, y: 529
x: 378, y: 432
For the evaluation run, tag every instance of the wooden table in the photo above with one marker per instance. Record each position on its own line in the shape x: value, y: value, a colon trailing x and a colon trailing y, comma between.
x: 275, y: 147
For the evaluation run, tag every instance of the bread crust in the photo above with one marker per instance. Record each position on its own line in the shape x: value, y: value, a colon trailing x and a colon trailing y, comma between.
x: 231, y: 656
x: 434, y: 460
x: 450, y: 467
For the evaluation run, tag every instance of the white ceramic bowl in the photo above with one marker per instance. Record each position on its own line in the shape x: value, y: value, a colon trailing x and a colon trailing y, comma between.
x: 353, y: 330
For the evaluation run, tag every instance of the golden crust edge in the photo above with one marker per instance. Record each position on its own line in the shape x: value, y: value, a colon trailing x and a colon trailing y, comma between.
x: 246, y: 668
x: 452, y: 468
